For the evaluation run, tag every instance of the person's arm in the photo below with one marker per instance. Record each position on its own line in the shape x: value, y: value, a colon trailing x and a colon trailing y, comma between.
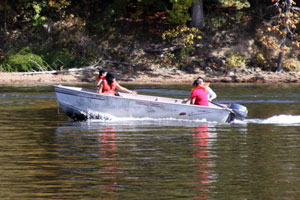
x: 99, y: 83
x: 119, y: 87
x: 193, y: 101
x: 193, y: 97
x: 211, y: 95
x: 185, y: 100
x: 100, y: 88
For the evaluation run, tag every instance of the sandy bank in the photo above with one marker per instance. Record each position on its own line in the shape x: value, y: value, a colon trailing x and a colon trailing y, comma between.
x: 150, y: 77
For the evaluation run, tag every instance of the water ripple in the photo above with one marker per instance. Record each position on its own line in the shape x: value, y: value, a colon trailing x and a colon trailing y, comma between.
x: 22, y: 96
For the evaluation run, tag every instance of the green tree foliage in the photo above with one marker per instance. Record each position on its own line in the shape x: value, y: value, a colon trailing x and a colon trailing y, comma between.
x: 76, y: 24
x: 179, y: 14
x: 238, y: 4
x: 37, y: 19
x: 19, y: 12
x: 105, y: 15
x: 183, y: 35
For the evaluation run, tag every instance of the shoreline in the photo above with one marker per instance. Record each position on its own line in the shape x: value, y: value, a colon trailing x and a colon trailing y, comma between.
x: 178, y: 77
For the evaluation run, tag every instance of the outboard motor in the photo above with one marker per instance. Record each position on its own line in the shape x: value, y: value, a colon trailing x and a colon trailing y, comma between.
x: 239, y: 111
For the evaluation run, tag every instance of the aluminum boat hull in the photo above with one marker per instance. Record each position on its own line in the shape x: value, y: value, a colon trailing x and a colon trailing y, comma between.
x: 81, y: 104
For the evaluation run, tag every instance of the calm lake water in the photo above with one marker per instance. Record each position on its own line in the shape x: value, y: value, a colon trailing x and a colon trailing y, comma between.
x: 44, y: 155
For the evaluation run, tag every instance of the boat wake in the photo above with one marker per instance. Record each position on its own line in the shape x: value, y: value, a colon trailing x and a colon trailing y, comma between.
x: 277, y: 119
x: 92, y: 115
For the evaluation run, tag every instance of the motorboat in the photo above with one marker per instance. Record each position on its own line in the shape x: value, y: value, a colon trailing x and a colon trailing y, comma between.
x: 81, y: 104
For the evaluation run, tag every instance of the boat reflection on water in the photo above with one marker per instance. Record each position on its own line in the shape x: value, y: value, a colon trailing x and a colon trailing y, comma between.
x: 108, y: 154
x: 206, y: 140
x: 104, y: 159
x: 200, y: 143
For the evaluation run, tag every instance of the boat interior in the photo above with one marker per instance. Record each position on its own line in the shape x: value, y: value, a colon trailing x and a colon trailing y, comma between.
x: 146, y: 97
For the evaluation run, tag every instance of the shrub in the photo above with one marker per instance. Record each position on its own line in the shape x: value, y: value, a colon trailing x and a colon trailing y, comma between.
x: 183, y: 35
x: 234, y: 60
x: 261, y: 61
x: 291, y: 64
x: 63, y: 59
x: 23, y: 61
x: 27, y: 60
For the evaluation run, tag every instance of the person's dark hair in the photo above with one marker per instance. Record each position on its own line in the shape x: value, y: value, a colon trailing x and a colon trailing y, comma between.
x: 109, y: 78
x: 101, y: 72
x: 196, y: 82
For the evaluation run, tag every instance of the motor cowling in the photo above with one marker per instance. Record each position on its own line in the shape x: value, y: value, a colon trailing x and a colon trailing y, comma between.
x: 239, y: 111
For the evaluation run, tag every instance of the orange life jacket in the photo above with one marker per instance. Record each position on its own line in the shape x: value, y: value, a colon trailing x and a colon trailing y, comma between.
x: 204, y: 86
x: 101, y: 78
x: 107, y: 89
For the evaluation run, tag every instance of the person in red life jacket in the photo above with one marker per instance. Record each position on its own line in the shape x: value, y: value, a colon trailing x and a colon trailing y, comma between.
x: 211, y: 95
x: 198, y: 94
x: 209, y: 92
x: 101, y: 77
x: 109, y: 86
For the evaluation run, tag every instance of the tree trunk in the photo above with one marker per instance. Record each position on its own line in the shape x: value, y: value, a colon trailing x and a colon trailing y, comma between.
x: 197, y: 14
x: 257, y: 6
x: 5, y: 16
x: 280, y: 57
x: 285, y: 31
